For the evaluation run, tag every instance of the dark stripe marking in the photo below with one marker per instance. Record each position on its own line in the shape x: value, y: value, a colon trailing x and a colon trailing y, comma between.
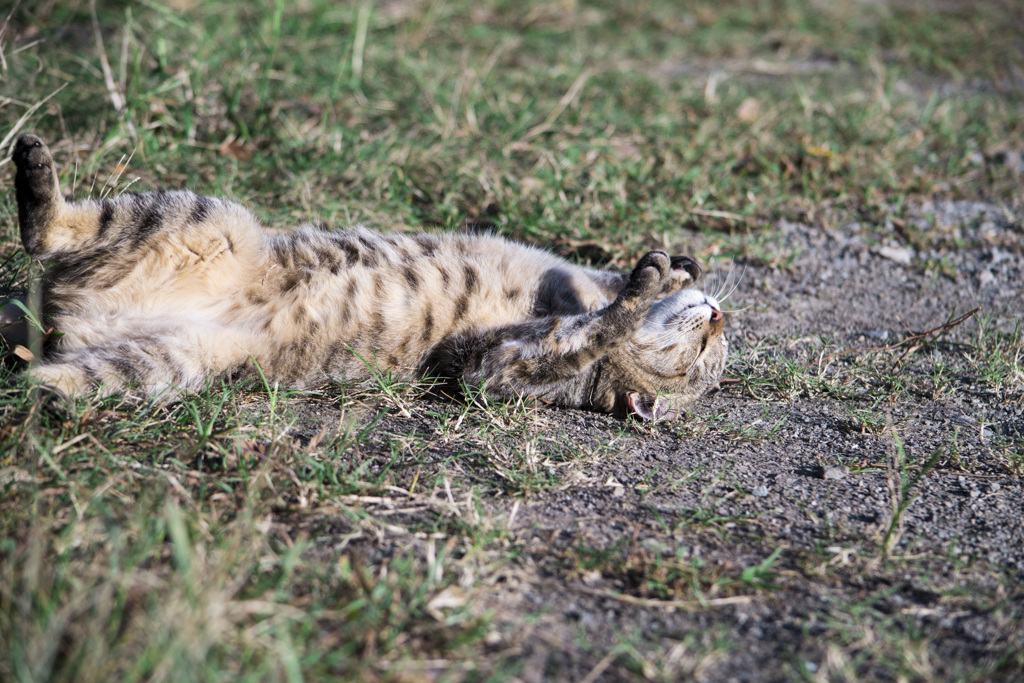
x: 461, y: 306
x: 412, y: 279
x: 106, y: 216
x: 470, y: 276
x: 428, y: 325
x: 149, y: 211
x: 200, y: 210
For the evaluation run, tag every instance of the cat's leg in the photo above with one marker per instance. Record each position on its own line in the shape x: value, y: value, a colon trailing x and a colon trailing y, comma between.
x: 37, y: 191
x: 51, y: 226
x: 534, y: 357
x: 160, y: 364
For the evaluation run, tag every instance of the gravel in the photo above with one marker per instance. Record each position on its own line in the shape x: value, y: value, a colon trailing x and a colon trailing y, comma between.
x: 811, y: 482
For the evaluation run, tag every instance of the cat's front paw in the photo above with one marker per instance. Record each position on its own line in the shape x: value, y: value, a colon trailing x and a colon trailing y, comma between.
x: 685, y: 271
x: 646, y: 280
x: 686, y: 265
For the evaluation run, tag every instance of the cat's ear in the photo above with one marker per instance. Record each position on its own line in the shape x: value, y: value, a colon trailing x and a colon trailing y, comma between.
x: 650, y: 407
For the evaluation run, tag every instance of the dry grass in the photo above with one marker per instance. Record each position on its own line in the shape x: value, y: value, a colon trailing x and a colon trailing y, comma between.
x: 246, y: 534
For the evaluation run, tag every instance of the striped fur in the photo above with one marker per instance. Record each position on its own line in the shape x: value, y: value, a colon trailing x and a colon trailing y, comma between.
x: 161, y: 292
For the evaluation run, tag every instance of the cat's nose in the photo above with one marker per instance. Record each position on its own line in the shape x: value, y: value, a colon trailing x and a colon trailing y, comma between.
x: 716, y: 315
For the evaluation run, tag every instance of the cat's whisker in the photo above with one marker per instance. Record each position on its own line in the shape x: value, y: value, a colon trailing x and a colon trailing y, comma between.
x: 739, y: 279
x: 728, y: 285
x: 718, y: 278
x: 722, y: 282
x: 739, y: 310
x: 717, y: 289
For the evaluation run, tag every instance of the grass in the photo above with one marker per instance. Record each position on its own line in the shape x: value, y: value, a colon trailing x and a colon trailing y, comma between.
x: 246, y: 533
x: 403, y: 116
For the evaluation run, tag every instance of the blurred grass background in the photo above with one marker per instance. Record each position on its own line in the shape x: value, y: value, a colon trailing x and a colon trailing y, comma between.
x: 599, y: 128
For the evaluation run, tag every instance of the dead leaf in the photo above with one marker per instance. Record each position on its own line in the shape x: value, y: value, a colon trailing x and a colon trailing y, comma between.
x: 236, y: 149
x: 749, y: 110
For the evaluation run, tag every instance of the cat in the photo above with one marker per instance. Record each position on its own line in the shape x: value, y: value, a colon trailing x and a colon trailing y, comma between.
x: 162, y: 292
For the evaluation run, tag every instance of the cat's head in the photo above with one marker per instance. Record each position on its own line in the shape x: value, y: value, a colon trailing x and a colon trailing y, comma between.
x: 676, y: 357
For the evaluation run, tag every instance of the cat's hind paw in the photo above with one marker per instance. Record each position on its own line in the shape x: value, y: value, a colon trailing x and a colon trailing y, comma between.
x: 36, y: 190
x: 58, y: 380
x: 34, y: 162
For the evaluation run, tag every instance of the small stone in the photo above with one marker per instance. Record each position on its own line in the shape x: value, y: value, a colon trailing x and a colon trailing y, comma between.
x: 901, y: 255
x: 837, y: 472
x: 994, y: 486
x: 760, y: 491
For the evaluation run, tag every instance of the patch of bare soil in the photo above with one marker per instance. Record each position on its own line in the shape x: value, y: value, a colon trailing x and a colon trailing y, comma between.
x: 825, y: 515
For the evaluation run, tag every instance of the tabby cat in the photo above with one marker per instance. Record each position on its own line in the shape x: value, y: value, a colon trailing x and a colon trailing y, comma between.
x: 160, y: 292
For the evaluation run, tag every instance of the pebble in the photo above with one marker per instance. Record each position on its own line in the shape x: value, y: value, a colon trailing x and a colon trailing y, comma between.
x: 760, y: 491
x: 838, y: 472
x: 901, y: 255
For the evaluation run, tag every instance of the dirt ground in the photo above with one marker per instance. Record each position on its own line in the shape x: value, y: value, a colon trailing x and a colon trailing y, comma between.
x: 798, y: 467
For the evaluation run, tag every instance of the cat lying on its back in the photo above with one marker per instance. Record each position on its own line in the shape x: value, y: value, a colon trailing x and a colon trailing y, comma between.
x: 163, y: 291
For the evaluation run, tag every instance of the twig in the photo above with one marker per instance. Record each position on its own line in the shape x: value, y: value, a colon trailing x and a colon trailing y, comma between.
x: 599, y: 669
x: 116, y: 97
x: 684, y: 605
x: 3, y: 29
x: 712, y: 213
x: 563, y: 103
x: 948, y: 325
